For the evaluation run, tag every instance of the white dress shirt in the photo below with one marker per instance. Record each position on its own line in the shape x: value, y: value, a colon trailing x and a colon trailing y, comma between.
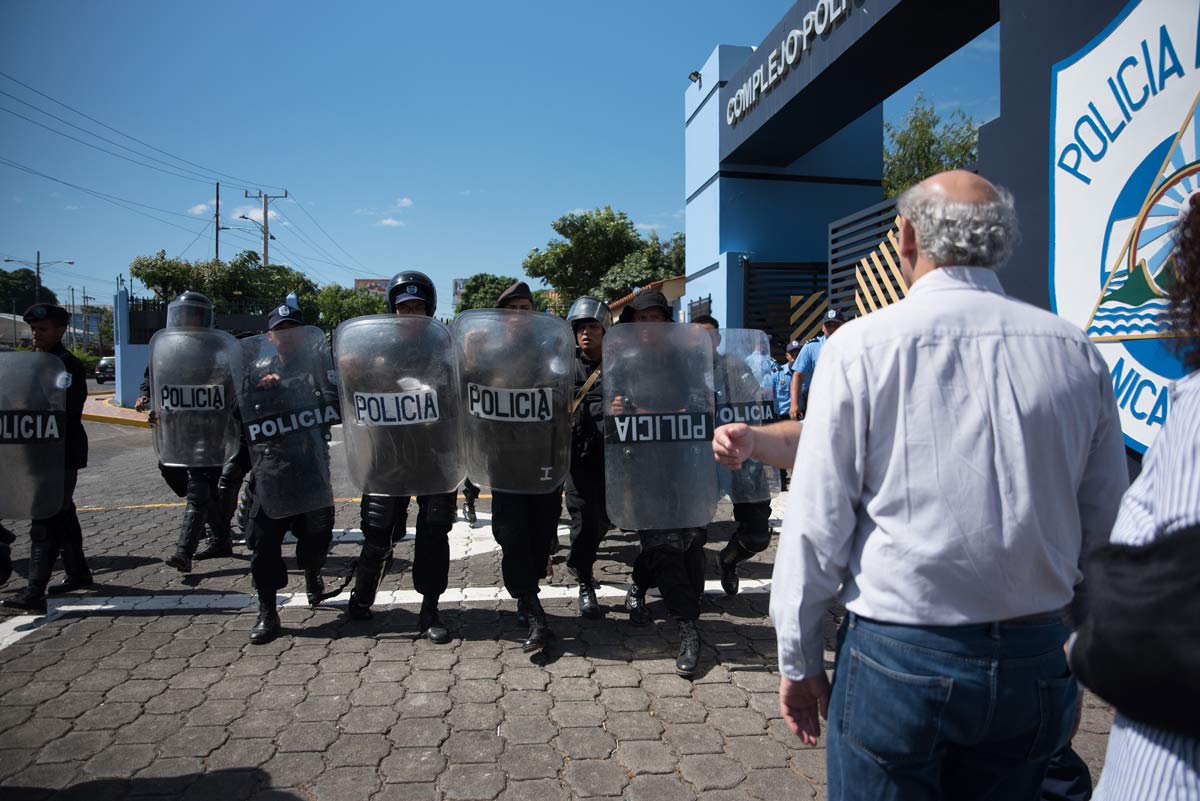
x: 961, y: 451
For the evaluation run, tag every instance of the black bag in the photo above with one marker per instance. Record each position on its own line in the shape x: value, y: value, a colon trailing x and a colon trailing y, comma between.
x: 1139, y: 646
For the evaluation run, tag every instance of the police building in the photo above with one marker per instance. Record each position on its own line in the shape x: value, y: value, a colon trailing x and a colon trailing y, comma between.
x: 1096, y: 139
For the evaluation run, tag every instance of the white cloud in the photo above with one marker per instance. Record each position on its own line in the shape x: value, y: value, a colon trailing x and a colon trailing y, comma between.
x: 253, y: 212
x: 403, y: 202
x: 648, y: 226
x: 199, y: 210
x: 391, y: 222
x: 678, y: 215
x: 72, y: 208
x: 578, y: 210
x: 469, y: 192
x: 365, y: 212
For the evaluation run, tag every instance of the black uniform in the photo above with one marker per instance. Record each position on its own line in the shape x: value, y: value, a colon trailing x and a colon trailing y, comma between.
x: 672, y: 559
x: 198, y: 485
x: 384, y: 521
x: 60, y: 533
x: 753, y: 532
x: 313, y: 530
x: 526, y: 527
x: 585, y: 482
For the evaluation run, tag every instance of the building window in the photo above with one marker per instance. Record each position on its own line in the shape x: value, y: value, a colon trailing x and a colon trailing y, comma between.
x: 696, y: 308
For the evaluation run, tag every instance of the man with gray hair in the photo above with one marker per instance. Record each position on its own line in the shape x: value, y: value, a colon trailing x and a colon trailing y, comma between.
x: 962, y: 451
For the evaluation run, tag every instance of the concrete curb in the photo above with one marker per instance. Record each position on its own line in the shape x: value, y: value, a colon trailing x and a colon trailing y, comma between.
x: 114, y: 419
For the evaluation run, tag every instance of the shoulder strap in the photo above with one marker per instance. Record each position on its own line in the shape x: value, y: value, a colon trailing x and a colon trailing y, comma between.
x: 592, y: 379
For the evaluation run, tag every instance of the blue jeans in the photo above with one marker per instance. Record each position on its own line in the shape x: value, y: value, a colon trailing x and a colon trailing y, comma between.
x: 947, y: 712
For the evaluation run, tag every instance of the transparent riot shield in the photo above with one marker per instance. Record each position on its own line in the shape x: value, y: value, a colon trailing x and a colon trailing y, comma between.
x: 288, y: 402
x: 193, y: 392
x: 658, y: 392
x: 399, y: 391
x: 515, y: 383
x: 33, y: 398
x: 742, y: 373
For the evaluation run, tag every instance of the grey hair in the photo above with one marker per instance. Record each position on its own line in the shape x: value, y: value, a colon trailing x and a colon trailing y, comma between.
x: 951, y: 232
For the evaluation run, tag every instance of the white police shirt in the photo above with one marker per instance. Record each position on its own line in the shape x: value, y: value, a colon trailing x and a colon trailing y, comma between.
x: 961, y: 450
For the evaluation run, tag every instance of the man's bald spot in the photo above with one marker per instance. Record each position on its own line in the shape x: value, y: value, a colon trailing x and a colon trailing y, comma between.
x: 962, y: 186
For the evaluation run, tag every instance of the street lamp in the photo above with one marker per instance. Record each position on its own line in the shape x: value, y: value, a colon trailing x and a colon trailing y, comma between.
x: 37, y: 265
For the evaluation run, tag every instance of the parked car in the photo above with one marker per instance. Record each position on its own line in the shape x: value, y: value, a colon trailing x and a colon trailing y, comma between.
x: 106, y: 369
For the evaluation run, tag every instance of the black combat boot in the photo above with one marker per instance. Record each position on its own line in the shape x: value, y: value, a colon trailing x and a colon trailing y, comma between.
x: 689, y: 649
x: 190, y: 531
x: 635, y: 605
x: 219, y: 545
x: 266, y: 626
x: 589, y: 607
x: 33, y: 597
x: 469, y: 511
x: 540, y: 634
x: 367, y: 577
x: 522, y: 613
x: 314, y: 586
x: 430, y: 622
x: 731, y: 556
x: 78, y: 577
x: 5, y: 563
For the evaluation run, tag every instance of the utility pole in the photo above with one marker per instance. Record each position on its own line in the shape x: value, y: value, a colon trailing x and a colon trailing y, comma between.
x: 217, y: 227
x: 86, y: 298
x: 14, y: 319
x: 266, y: 233
x: 72, y: 316
x: 37, y: 283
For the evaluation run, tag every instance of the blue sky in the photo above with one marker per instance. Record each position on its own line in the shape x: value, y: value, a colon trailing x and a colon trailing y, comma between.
x: 443, y: 137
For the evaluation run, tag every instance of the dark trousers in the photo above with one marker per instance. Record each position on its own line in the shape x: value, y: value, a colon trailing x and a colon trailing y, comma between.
x: 673, y: 561
x: 58, y: 534
x: 199, y: 487
x: 229, y: 487
x: 470, y: 491
x: 313, y: 532
x: 383, y: 524
x: 589, y: 518
x: 753, y: 532
x: 1067, y: 778
x: 525, y: 526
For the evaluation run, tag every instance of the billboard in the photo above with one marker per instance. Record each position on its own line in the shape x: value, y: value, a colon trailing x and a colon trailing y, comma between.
x: 377, y: 286
x: 1124, y: 160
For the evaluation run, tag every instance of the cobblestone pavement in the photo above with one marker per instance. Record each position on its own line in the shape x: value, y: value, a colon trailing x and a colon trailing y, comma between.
x: 149, y: 688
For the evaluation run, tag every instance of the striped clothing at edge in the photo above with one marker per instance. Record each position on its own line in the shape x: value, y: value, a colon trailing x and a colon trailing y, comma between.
x: 1144, y: 763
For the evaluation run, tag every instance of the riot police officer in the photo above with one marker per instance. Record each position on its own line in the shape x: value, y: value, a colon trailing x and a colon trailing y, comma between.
x: 7, y: 538
x: 384, y: 517
x: 753, y: 518
x: 198, y: 485
x: 59, y: 533
x: 525, y: 523
x: 288, y: 373
x: 671, y: 559
x: 589, y: 318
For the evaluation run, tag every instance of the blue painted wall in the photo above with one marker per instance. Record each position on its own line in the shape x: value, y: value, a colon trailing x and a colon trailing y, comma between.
x: 731, y: 212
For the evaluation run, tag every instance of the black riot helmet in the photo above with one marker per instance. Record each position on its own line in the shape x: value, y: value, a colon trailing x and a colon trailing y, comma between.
x: 411, y: 285
x: 590, y: 309
x: 191, y: 310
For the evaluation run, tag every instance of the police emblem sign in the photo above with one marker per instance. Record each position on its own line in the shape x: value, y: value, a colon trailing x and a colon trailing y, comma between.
x: 1124, y: 159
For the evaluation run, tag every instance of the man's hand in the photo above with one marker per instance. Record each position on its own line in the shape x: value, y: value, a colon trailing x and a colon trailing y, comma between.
x: 269, y: 381
x: 801, y: 702
x: 794, y: 413
x: 153, y: 418
x: 733, y: 444
x: 141, y: 404
x: 619, y: 406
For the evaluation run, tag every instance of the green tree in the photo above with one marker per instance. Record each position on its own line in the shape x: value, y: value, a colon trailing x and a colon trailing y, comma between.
x: 481, y: 291
x: 335, y: 304
x: 655, y: 261
x: 17, y: 287
x: 242, y: 284
x: 592, y: 243
x: 926, y: 143
x: 105, y: 326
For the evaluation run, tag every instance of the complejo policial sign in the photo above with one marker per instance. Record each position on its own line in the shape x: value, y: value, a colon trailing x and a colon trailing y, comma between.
x: 783, y: 57
x: 1124, y: 161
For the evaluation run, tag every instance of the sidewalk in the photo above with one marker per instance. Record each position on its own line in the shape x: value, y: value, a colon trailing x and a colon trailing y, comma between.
x: 103, y: 408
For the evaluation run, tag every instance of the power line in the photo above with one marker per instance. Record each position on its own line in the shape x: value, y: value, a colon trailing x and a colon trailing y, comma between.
x: 104, y: 139
x: 103, y: 196
x: 133, y: 138
x: 95, y: 192
x: 189, y: 244
x: 104, y: 150
x: 327, y: 236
